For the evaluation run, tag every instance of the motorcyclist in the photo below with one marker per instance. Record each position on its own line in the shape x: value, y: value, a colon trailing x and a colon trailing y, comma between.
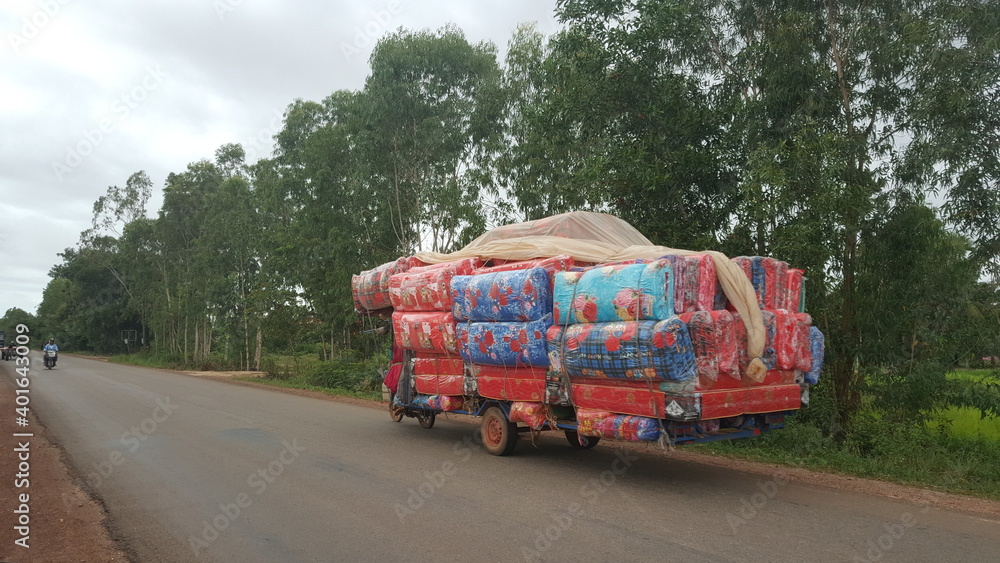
x: 51, y: 345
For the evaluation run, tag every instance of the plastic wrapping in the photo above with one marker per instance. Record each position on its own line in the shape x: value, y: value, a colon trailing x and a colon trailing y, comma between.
x: 444, y: 403
x: 370, y: 289
x: 505, y: 344
x: 511, y: 389
x: 619, y: 292
x: 800, y: 341
x: 699, y: 283
x: 427, y: 332
x: 503, y: 296
x: 428, y: 288
x: 637, y: 401
x: 604, y: 424
x: 626, y: 350
x: 551, y: 265
x: 794, y: 279
x: 440, y: 384
x: 704, y: 344
x: 433, y: 364
x: 534, y: 415
x: 513, y: 373
x: 816, y: 345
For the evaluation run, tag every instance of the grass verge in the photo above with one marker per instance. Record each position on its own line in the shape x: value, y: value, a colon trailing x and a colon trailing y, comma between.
x: 875, y: 449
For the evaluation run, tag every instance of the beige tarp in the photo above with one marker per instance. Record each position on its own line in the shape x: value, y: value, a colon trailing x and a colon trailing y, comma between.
x: 598, y: 238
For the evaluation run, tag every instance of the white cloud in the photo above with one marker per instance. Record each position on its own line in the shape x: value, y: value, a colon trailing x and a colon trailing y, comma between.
x: 229, y: 75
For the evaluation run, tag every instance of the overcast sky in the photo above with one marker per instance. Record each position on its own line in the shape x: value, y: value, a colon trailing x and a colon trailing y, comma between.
x: 94, y: 90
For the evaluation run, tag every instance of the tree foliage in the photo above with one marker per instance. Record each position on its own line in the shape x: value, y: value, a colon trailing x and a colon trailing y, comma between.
x: 856, y: 140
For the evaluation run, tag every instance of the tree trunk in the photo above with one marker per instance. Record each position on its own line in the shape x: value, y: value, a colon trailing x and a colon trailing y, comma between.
x: 256, y: 358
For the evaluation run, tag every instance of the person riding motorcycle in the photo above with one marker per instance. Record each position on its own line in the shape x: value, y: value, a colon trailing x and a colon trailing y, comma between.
x: 51, y: 346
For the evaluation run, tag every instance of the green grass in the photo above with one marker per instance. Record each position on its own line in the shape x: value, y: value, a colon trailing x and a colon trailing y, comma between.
x: 298, y: 383
x: 965, y: 422
x: 878, y: 450
x: 978, y: 375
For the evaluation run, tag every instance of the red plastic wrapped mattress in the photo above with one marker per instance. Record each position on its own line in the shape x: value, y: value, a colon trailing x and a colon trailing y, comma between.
x: 634, y: 400
x: 440, y: 384
x: 511, y: 389
x: 794, y: 280
x: 428, y: 288
x: 434, y: 364
x: 513, y: 373
x: 370, y: 289
x: 534, y: 415
x: 425, y: 332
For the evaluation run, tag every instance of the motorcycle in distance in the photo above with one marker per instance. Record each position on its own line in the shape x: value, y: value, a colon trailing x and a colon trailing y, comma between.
x: 50, y: 359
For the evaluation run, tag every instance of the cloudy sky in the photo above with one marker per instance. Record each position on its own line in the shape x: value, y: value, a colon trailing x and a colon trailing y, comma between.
x: 94, y: 90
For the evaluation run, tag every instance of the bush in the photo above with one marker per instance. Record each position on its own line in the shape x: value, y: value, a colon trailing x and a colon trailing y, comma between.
x: 355, y: 376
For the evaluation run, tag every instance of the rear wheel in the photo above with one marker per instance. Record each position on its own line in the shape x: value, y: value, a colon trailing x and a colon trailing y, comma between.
x: 581, y: 442
x: 426, y: 418
x: 395, y: 412
x: 499, y: 434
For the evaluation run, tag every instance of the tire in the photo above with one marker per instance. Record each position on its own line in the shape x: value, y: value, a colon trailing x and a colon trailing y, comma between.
x: 499, y: 434
x: 426, y: 418
x: 574, y: 440
x: 395, y: 413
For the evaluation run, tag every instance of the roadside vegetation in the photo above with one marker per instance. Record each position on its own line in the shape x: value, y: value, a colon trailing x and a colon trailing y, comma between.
x: 860, y: 143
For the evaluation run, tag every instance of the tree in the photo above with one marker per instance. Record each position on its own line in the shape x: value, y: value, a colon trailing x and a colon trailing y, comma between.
x: 831, y: 114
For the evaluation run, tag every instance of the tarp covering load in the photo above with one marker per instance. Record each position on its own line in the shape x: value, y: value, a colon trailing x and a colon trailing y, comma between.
x: 598, y: 238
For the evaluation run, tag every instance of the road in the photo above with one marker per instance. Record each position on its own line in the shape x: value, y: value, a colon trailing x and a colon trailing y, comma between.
x: 192, y: 469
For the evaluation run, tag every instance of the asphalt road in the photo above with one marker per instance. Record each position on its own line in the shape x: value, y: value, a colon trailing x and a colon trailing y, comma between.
x: 200, y: 470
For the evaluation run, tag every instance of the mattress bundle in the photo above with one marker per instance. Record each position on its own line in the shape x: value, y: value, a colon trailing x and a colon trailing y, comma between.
x: 626, y: 344
x: 423, y: 323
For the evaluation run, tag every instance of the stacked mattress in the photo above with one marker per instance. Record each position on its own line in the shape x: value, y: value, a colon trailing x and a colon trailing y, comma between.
x: 626, y: 345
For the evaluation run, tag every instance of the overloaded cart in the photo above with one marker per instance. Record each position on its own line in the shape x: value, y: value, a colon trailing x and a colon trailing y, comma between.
x: 577, y: 323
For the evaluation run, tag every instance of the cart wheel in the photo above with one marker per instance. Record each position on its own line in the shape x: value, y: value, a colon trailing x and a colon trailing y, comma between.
x: 574, y: 440
x: 499, y: 434
x: 395, y: 413
x: 426, y: 418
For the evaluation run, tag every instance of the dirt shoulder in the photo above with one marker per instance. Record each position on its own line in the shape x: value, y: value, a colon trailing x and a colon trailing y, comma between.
x: 64, y: 524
